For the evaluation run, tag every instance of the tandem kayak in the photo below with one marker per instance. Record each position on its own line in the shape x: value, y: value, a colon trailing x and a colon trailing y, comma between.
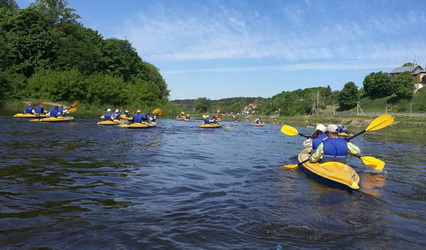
x: 55, y: 119
x: 335, y: 174
x: 109, y: 122
x: 21, y: 115
x: 211, y: 125
x: 139, y: 125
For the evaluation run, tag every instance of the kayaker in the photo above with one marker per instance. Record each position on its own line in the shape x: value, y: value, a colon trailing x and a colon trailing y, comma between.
x: 116, y: 115
x: 188, y: 117
x: 108, y: 115
x: 334, y: 148
x: 53, y: 112
x: 342, y: 129
x: 137, y: 118
x: 28, y: 109
x: 206, y: 119
x: 61, y: 111
x: 317, y: 137
x: 145, y: 117
x: 258, y: 121
x: 39, y: 110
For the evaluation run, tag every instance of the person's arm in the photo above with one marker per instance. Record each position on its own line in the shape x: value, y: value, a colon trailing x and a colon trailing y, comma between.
x: 318, y: 153
x: 353, y: 149
x: 307, y: 143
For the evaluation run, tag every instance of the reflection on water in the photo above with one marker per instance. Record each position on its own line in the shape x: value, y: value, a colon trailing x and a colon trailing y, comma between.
x: 179, y: 186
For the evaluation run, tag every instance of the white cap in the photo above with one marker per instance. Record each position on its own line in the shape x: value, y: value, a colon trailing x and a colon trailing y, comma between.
x: 116, y: 110
x: 332, y: 128
x: 108, y: 110
x: 321, y: 128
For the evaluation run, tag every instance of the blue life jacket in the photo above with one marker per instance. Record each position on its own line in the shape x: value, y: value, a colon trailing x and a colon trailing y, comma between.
x: 137, y: 118
x: 317, y: 141
x: 145, y: 118
x: 206, y: 120
x: 53, y: 112
x: 39, y: 110
x: 335, y: 149
x: 60, y: 111
x: 107, y: 116
x: 28, y: 110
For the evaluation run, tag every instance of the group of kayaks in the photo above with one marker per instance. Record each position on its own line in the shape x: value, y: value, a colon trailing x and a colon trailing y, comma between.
x: 337, y: 174
x: 44, y: 118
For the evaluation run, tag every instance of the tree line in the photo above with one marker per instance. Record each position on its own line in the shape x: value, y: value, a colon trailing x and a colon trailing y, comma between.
x: 45, y: 53
x: 302, y: 101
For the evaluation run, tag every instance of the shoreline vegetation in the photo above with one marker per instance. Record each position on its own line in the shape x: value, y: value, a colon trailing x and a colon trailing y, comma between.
x: 402, y: 125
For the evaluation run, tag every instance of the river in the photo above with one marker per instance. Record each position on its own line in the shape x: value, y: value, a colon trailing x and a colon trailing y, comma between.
x: 178, y: 186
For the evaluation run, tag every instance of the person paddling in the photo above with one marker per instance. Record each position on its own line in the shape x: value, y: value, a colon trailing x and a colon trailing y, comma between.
x: 137, y: 118
x: 317, y: 137
x: 39, y: 110
x: 334, y: 148
x: 28, y: 109
x: 53, y: 112
x: 206, y: 119
x: 108, y: 115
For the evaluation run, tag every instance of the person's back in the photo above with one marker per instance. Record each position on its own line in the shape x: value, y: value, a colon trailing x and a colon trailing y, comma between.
x: 137, y: 118
x: 53, y: 112
x: 206, y: 119
x: 108, y: 115
x: 333, y: 148
x: 61, y: 111
x: 39, y: 109
x: 28, y: 109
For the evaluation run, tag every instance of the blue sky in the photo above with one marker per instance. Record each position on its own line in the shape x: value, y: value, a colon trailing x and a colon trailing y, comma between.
x: 230, y: 48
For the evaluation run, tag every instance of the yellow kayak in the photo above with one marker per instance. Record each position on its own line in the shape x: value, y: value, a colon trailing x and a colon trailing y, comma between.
x: 259, y: 124
x: 21, y: 115
x: 335, y: 174
x: 109, y: 122
x: 343, y: 134
x: 55, y: 119
x: 210, y: 125
x: 139, y: 125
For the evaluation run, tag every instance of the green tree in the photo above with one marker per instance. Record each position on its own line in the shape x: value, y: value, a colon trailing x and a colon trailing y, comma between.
x: 407, y: 64
x: 348, y: 97
x: 202, y: 104
x: 403, y: 85
x: 377, y: 84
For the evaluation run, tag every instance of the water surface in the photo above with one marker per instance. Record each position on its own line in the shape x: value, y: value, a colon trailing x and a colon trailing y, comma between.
x: 177, y: 186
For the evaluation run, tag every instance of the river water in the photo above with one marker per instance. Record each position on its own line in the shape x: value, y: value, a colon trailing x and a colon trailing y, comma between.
x: 178, y: 186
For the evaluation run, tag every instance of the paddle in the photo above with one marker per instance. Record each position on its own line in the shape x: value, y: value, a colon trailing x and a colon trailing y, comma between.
x: 378, y: 123
x: 372, y: 162
x: 294, y: 166
x: 72, y: 110
x: 291, y: 131
x: 75, y: 103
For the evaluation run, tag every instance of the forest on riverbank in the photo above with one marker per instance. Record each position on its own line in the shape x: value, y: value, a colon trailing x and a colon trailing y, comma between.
x: 46, y: 54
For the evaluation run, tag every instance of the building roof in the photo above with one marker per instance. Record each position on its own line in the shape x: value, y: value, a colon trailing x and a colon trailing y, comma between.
x: 406, y: 68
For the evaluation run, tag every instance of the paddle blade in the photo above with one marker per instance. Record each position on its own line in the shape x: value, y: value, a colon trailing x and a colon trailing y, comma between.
x: 227, y: 127
x: 75, y: 103
x: 156, y: 111
x: 380, y: 122
x: 373, y: 162
x: 289, y: 130
x: 290, y: 166
x: 72, y: 110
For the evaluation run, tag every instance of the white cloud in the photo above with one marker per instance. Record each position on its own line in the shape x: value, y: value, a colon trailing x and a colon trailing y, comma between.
x: 160, y: 34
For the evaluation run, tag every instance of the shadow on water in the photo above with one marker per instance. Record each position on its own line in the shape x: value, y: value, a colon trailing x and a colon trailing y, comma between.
x: 179, y: 186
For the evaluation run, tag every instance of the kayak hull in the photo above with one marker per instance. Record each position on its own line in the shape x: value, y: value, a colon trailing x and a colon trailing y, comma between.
x: 21, y: 115
x: 259, y: 124
x: 210, y: 125
x: 335, y: 174
x: 139, y: 125
x: 109, y: 122
x: 55, y: 119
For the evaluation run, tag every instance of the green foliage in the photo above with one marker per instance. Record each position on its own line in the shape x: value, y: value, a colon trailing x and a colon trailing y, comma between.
x: 403, y: 85
x: 407, y: 64
x: 377, y: 84
x: 348, y: 97
x: 202, y: 105
x: 45, y: 53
